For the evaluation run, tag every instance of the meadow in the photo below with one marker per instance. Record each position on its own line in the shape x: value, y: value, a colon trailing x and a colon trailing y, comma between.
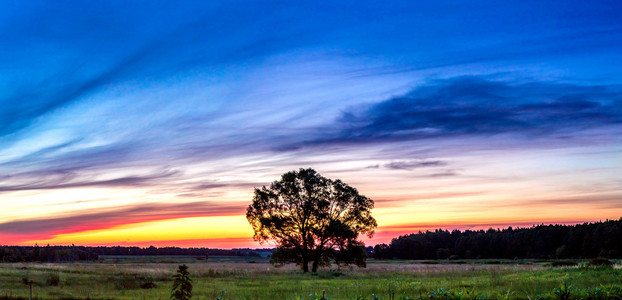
x: 242, y: 278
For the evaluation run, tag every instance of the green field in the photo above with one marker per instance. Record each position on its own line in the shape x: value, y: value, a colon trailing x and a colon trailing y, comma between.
x: 244, y: 278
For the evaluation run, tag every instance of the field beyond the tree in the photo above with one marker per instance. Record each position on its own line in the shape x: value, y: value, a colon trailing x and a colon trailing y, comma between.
x: 243, y: 278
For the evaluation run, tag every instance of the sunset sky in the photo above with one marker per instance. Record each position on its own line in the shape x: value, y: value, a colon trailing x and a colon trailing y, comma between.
x: 150, y: 122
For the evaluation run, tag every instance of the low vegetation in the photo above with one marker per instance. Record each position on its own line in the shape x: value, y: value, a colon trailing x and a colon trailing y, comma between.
x: 238, y: 279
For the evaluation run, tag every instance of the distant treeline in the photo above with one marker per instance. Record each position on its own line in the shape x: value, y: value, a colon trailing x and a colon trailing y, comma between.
x: 198, y: 252
x: 588, y: 240
x: 83, y: 253
x: 45, y: 254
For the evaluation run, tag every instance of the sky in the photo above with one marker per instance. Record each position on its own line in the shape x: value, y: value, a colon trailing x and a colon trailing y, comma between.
x: 151, y: 122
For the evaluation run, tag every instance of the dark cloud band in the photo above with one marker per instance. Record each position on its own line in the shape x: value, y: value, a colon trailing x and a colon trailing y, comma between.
x: 477, y: 106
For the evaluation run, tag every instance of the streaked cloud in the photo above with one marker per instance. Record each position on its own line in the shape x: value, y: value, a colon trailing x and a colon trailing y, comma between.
x: 68, y: 180
x: 409, y: 165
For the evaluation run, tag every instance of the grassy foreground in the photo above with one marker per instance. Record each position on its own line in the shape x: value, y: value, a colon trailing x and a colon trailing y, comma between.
x: 129, y: 279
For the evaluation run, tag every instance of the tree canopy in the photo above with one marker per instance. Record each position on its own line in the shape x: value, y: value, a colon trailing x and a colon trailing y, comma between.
x: 312, y: 219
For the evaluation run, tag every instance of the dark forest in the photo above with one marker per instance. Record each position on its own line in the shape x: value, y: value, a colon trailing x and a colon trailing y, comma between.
x: 588, y: 240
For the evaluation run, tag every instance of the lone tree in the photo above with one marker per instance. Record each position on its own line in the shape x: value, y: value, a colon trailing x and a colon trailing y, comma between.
x: 312, y: 219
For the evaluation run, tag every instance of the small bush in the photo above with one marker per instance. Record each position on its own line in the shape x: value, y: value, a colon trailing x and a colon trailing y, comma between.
x: 595, y: 294
x: 563, y: 292
x: 440, y: 294
x: 564, y: 263
x: 329, y: 274
x: 599, y: 262
x: 53, y: 279
x: 132, y: 282
x: 148, y: 284
x: 443, y: 294
x: 126, y: 282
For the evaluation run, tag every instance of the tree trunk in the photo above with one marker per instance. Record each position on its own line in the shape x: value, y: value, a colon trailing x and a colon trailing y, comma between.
x: 315, y: 264
x: 305, y: 264
x: 305, y: 253
x: 317, y: 254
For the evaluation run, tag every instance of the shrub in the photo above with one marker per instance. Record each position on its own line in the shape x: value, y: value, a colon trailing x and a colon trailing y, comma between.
x: 53, y: 279
x: 329, y: 274
x: 595, y: 294
x: 564, y: 263
x: 126, y: 282
x: 599, y: 262
x: 443, y: 294
x: 563, y: 292
x: 132, y: 282
x: 148, y: 284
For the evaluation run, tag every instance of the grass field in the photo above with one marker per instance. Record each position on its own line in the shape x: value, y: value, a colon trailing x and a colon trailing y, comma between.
x: 235, y: 278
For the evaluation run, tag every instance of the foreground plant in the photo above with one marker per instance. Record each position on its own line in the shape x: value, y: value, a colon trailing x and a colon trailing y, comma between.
x: 563, y: 292
x: 182, y: 284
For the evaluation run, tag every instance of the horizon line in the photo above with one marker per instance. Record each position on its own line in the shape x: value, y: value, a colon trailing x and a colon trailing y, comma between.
x: 461, y: 228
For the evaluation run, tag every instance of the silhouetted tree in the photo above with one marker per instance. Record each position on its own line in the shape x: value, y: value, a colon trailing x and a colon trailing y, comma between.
x: 312, y: 219
x: 36, y: 253
x: 182, y: 284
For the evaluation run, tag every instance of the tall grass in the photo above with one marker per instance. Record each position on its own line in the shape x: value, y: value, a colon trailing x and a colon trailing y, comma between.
x: 239, y: 280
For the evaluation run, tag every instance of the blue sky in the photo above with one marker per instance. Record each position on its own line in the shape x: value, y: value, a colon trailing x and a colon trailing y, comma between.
x: 428, y: 107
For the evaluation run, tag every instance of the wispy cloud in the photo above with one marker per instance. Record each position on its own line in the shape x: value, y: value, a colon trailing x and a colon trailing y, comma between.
x: 413, y: 164
x: 109, y: 217
x: 65, y: 180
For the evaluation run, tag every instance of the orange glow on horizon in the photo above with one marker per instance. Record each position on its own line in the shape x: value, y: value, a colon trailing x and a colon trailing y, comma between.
x: 234, y: 232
